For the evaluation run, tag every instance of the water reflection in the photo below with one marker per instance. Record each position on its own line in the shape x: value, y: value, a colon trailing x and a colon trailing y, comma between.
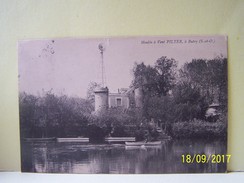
x: 76, y: 158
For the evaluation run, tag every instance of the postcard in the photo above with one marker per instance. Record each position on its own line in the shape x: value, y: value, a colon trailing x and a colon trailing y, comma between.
x: 124, y: 105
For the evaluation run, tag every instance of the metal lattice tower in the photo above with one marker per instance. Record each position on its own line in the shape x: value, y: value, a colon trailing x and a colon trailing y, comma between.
x: 102, y: 69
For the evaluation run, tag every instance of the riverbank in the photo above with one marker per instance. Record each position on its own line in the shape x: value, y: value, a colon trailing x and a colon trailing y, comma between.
x: 199, y: 129
x: 183, y: 130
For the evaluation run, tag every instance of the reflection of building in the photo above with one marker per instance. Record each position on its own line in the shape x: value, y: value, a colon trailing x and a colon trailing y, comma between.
x: 119, y: 99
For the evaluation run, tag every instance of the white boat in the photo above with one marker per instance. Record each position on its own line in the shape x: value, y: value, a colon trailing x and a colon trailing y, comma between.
x: 48, y: 139
x: 79, y: 139
x: 143, y: 143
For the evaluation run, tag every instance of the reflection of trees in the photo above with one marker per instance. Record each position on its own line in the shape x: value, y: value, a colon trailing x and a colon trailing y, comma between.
x: 76, y: 158
x: 26, y: 157
x: 40, y: 159
x: 202, y: 146
x: 113, y: 160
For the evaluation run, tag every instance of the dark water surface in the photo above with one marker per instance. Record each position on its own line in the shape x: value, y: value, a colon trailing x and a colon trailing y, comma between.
x: 55, y: 157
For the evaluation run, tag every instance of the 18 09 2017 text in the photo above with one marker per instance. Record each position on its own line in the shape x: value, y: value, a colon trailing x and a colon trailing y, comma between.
x: 203, y: 158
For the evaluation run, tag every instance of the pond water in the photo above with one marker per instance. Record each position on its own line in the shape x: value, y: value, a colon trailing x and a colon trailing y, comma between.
x: 55, y: 157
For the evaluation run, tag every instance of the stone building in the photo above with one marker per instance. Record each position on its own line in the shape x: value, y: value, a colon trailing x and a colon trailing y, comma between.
x: 125, y: 98
x: 119, y: 99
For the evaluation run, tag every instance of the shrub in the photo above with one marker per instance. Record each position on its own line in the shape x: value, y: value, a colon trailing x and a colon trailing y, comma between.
x: 116, y: 122
x: 95, y: 134
x: 199, y: 129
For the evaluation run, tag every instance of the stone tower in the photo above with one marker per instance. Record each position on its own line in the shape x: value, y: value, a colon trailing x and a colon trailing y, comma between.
x: 101, y: 99
x: 138, y: 97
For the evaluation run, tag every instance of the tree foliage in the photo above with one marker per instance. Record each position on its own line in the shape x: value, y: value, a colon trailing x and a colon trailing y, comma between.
x: 90, y: 91
x: 183, y: 95
x: 166, y: 75
x: 52, y: 115
x: 155, y: 80
x: 210, y: 76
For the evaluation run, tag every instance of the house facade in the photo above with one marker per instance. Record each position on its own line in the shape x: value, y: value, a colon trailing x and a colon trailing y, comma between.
x: 118, y: 100
x: 104, y: 99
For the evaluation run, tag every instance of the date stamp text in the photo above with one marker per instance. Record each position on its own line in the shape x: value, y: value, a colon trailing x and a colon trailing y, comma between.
x: 203, y: 158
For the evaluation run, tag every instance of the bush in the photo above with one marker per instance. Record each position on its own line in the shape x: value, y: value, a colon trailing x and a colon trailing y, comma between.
x: 116, y: 122
x: 95, y: 134
x: 199, y: 129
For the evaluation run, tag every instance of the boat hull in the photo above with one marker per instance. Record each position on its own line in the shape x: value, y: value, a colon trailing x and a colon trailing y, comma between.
x: 51, y: 139
x: 143, y: 143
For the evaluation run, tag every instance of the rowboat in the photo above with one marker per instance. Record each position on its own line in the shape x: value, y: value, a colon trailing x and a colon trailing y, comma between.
x: 143, y: 143
x: 120, y: 139
x: 79, y: 139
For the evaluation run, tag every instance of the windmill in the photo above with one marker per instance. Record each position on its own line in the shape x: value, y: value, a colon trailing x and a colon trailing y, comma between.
x: 101, y: 93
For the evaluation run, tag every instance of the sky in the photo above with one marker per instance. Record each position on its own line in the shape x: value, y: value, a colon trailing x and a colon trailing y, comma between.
x: 67, y: 66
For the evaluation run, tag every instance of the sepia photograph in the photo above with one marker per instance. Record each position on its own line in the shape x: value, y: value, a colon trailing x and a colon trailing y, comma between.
x: 124, y: 105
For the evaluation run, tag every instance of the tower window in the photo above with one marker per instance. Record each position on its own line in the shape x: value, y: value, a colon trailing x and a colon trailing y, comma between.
x: 119, y: 102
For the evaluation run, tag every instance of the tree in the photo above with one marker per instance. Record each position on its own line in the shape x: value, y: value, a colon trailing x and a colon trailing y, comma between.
x: 157, y: 80
x: 210, y: 76
x: 218, y: 75
x: 90, y: 91
x: 144, y: 76
x: 189, y: 103
x: 53, y: 116
x: 27, y: 104
x: 166, y: 75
